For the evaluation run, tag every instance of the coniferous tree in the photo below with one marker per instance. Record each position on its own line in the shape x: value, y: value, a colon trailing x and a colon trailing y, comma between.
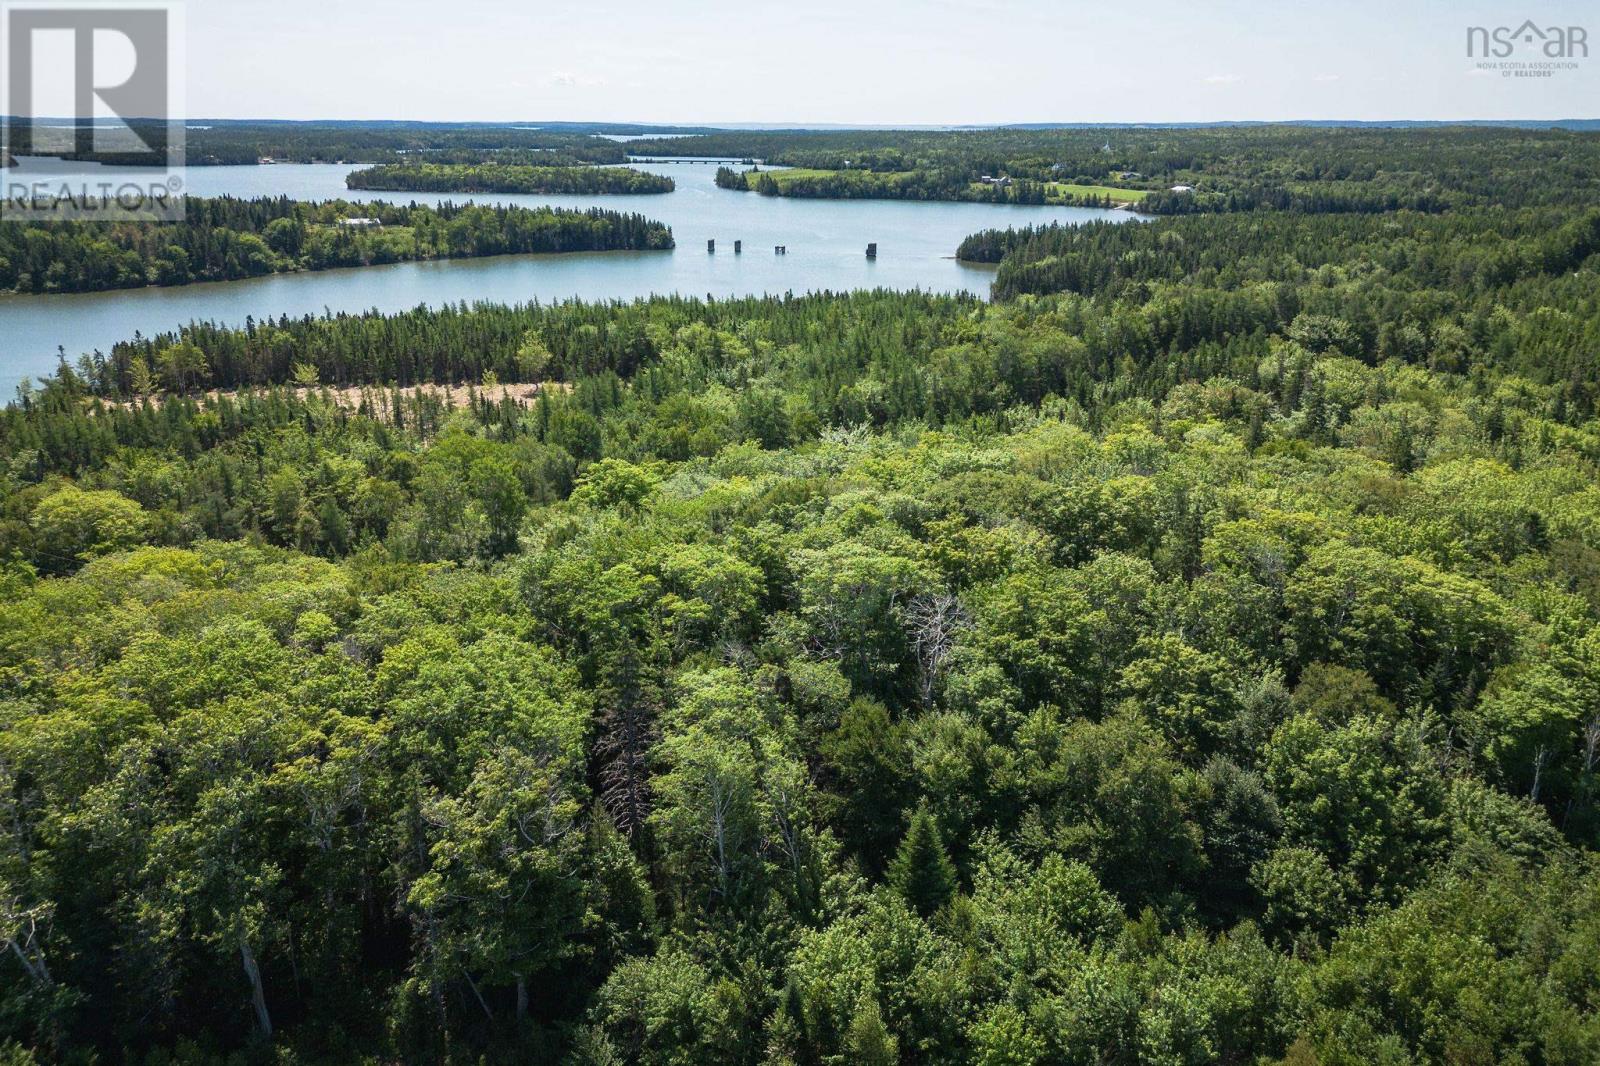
x: 868, y: 1042
x: 922, y: 872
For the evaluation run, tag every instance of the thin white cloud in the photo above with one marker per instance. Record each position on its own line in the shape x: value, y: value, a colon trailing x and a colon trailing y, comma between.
x: 1326, y: 77
x: 1222, y: 79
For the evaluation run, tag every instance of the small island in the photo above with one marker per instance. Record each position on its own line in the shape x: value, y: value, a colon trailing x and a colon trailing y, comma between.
x: 229, y: 239
x: 507, y: 178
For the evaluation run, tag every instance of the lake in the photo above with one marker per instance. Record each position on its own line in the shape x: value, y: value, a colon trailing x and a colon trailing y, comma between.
x: 826, y: 239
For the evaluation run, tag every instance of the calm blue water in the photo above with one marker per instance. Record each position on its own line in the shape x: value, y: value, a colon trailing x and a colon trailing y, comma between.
x: 826, y: 239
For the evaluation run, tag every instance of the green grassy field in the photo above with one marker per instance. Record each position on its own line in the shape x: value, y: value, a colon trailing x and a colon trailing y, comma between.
x: 1062, y: 192
x: 1125, y: 196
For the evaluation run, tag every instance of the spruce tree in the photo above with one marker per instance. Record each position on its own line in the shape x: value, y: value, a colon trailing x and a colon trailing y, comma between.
x: 869, y: 1042
x: 921, y: 871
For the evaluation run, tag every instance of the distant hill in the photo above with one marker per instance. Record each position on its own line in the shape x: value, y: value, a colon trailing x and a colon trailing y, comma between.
x: 1518, y: 123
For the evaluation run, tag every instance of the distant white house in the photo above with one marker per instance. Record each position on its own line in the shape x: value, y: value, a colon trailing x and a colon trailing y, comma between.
x: 359, y: 222
x: 1182, y: 188
x: 1001, y: 181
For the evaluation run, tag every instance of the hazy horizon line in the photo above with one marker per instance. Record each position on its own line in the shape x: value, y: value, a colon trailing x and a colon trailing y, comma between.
x: 863, y: 126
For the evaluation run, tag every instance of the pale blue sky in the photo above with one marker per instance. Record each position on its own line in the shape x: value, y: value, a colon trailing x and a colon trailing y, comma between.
x: 868, y: 61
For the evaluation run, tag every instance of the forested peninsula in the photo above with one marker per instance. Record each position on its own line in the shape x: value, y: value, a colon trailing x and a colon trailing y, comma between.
x: 921, y: 185
x: 503, y: 178
x: 227, y: 239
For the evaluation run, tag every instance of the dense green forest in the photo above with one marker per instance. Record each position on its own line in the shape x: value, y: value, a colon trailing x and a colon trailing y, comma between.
x: 247, y: 143
x: 498, y: 177
x: 225, y: 239
x: 1190, y: 657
